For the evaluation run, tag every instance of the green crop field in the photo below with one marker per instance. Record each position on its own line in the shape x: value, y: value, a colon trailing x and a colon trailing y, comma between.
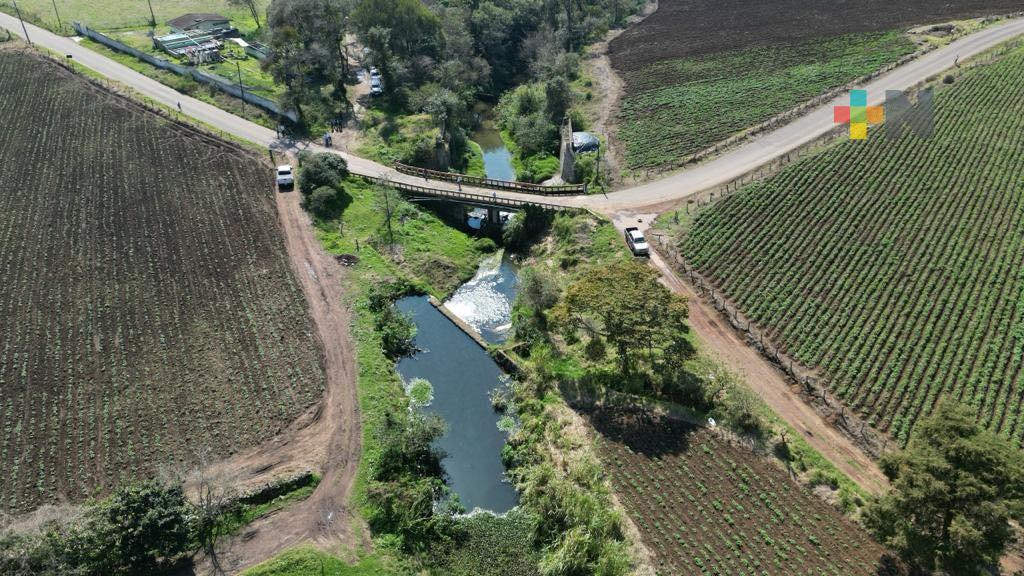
x: 149, y: 312
x: 711, y: 97
x: 893, y: 266
x: 118, y: 14
x: 704, y: 506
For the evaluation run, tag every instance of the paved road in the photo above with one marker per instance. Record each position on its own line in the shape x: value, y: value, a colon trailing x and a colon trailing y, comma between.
x: 757, y: 152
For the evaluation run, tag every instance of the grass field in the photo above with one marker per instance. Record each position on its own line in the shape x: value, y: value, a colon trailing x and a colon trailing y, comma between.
x: 149, y: 311
x: 887, y: 265
x: 109, y: 15
x: 699, y: 71
x: 704, y: 506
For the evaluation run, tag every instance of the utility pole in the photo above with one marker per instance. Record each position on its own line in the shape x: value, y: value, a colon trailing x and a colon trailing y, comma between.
x: 240, y: 85
x: 23, y: 28
x: 387, y: 207
x: 60, y: 26
x: 152, y: 16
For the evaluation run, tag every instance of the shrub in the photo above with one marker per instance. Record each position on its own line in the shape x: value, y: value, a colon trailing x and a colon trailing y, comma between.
x: 318, y: 170
x: 321, y: 201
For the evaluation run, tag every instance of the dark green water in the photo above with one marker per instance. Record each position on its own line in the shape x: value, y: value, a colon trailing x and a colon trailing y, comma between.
x: 462, y: 374
x: 497, y: 158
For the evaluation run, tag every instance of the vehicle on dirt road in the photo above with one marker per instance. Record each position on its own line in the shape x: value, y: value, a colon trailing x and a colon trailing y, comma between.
x: 285, y: 177
x: 636, y: 242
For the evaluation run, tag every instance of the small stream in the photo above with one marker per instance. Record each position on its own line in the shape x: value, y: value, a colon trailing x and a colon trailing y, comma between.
x: 462, y: 375
x: 497, y: 158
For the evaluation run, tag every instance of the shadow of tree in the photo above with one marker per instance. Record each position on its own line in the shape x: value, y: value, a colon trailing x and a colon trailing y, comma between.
x: 642, y: 431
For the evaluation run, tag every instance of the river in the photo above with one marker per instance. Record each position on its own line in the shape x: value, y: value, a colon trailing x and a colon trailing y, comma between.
x: 462, y: 375
x: 497, y: 158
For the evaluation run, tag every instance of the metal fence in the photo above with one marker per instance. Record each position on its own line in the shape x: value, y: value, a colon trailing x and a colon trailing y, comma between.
x: 196, y: 74
x: 560, y: 190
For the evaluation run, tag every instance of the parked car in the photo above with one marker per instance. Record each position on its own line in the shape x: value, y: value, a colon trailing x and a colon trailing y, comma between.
x: 285, y: 177
x: 636, y: 242
x: 375, y: 87
x: 374, y: 73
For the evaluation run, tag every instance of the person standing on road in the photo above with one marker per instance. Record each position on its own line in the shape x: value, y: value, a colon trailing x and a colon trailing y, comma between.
x: 424, y: 172
x: 179, y: 106
x: 458, y: 182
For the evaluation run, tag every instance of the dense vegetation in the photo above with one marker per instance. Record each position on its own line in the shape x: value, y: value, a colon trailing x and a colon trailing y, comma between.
x: 149, y: 309
x: 889, y: 265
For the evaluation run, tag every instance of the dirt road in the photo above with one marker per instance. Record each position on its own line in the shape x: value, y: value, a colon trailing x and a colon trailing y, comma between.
x: 326, y: 440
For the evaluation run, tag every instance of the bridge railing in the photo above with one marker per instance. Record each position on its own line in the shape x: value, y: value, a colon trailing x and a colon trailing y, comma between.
x: 467, y: 197
x: 476, y: 181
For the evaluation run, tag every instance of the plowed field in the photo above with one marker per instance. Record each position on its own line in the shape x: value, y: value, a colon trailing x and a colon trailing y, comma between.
x: 148, y: 311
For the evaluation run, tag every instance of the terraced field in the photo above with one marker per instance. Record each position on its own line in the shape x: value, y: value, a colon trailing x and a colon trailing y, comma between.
x: 893, y: 265
x: 704, y: 506
x: 148, y: 310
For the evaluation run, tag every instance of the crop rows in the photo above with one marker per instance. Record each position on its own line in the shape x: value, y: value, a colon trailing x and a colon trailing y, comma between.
x: 148, y: 312
x: 893, y: 265
x: 704, y: 506
x: 675, y: 108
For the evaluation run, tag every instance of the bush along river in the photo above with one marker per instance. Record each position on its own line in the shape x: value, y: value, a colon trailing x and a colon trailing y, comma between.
x: 462, y: 375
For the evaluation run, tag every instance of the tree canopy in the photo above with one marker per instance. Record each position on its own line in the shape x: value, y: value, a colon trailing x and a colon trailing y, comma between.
x: 625, y: 304
x: 954, y: 489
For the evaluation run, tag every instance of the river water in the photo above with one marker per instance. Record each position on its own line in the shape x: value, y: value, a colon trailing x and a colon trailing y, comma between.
x: 463, y: 374
x: 497, y: 158
x: 485, y: 302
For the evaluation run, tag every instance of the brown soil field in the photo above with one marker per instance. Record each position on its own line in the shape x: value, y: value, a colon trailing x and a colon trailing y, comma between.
x: 686, y: 28
x: 706, y: 506
x: 149, y: 316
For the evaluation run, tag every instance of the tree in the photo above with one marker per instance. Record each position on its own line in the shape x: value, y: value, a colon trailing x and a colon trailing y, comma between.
x: 625, y: 304
x: 322, y: 169
x: 252, y: 6
x: 305, y: 48
x: 954, y: 489
x: 142, y: 529
x: 400, y: 35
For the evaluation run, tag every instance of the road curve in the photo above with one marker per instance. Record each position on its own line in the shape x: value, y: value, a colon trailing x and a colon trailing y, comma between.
x: 757, y: 152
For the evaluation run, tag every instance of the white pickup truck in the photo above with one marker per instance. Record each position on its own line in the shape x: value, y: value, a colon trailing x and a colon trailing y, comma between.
x: 285, y: 178
x: 636, y: 242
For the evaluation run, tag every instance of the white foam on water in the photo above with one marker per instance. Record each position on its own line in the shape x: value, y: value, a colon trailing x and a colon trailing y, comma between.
x: 479, y: 303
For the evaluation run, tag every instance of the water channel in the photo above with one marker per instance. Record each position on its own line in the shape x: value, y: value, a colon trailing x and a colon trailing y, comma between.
x: 497, y: 158
x: 462, y: 375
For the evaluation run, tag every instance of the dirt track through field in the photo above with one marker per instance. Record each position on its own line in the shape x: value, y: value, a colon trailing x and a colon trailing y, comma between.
x: 328, y: 439
x: 724, y: 344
